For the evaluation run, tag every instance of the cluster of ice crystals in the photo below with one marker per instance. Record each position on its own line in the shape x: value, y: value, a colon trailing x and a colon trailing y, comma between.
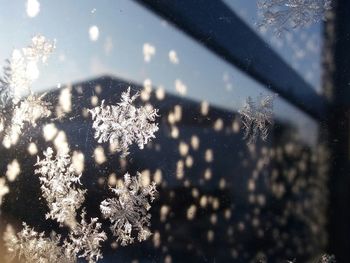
x: 16, y: 77
x: 19, y: 73
x: 33, y: 247
x: 59, y: 182
x: 327, y: 259
x: 29, y: 110
x: 257, y: 117
x: 283, y: 14
x: 85, y: 239
x: 124, y: 123
x: 22, y: 69
x: 39, y: 49
x: 129, y: 210
x: 323, y: 259
x: 2, y: 122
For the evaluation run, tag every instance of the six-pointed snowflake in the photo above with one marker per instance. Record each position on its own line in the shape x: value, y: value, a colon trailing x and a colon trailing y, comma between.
x: 124, y: 123
x: 257, y: 117
x: 129, y: 210
x: 59, y: 182
x: 84, y: 241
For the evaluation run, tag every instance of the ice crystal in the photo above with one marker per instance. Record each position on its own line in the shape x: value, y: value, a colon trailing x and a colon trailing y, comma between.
x: 59, y: 182
x: 15, y: 79
x: 129, y: 210
x: 85, y: 239
x: 18, y: 75
x: 33, y: 247
x: 282, y: 14
x: 124, y: 123
x: 324, y: 259
x: 22, y: 69
x: 257, y: 117
x: 39, y: 50
x: 2, y: 122
x: 29, y: 111
x: 327, y: 259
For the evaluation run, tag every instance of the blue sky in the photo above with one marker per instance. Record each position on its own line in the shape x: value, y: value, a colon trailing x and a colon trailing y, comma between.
x: 124, y: 27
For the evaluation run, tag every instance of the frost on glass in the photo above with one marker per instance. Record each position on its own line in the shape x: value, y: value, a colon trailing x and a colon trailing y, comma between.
x: 323, y: 259
x: 29, y: 110
x: 31, y: 246
x: 257, y: 117
x: 59, y: 181
x: 327, y: 259
x: 22, y: 69
x: 121, y: 125
x: 84, y: 241
x: 129, y: 210
x: 18, y: 75
x: 124, y: 124
x: 286, y: 14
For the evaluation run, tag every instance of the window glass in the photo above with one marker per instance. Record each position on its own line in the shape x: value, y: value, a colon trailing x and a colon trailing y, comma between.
x: 220, y: 199
x: 299, y: 47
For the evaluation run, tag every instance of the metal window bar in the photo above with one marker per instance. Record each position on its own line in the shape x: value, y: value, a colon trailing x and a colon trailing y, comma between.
x: 235, y: 42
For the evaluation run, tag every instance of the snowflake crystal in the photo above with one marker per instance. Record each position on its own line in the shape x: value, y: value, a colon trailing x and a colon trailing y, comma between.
x: 283, y: 14
x: 85, y: 239
x: 22, y: 69
x: 129, y: 210
x: 257, y: 117
x: 327, y: 259
x: 2, y: 122
x: 18, y: 75
x: 39, y: 49
x: 33, y: 247
x: 124, y: 124
x: 29, y: 111
x: 59, y: 182
x: 30, y: 246
x: 15, y: 79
